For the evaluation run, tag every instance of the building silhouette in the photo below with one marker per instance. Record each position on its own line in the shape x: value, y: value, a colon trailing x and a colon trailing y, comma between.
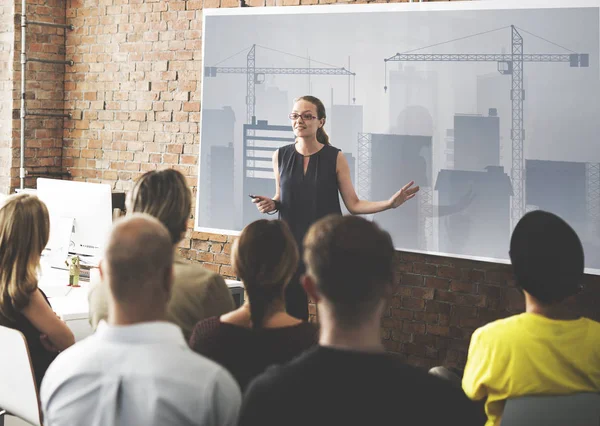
x: 474, y: 212
x: 558, y: 187
x: 476, y: 141
x: 273, y: 104
x: 220, y: 132
x: 410, y: 91
x: 395, y: 161
x: 261, y: 140
x: 221, y: 187
x: 346, y: 123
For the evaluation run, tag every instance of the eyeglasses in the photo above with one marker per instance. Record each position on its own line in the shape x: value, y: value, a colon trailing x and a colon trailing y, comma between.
x: 306, y: 116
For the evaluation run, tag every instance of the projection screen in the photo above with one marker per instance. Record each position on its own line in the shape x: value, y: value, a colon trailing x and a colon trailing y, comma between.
x: 491, y: 107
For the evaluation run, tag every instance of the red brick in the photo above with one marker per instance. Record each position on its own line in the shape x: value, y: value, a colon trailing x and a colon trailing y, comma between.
x: 439, y: 283
x: 411, y: 279
x: 449, y: 272
x: 424, y: 269
x: 200, y: 245
x: 402, y: 314
x: 399, y: 336
x: 438, y: 330
x: 216, y: 248
x: 223, y: 259
x: 200, y: 235
x: 429, y: 318
x: 423, y: 293
x: 218, y: 238
x: 463, y: 287
x: 414, y: 349
x: 413, y: 304
x: 413, y: 327
x: 437, y: 307
x: 413, y: 257
x: 464, y: 311
x: 460, y: 299
x: 404, y: 266
x: 474, y: 276
x: 498, y: 276
x: 426, y: 340
x: 490, y: 291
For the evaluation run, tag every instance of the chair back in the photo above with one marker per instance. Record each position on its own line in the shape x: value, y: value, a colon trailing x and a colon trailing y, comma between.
x: 18, y: 390
x: 580, y: 409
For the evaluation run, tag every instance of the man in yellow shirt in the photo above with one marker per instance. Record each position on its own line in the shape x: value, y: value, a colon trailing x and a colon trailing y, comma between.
x: 547, y: 350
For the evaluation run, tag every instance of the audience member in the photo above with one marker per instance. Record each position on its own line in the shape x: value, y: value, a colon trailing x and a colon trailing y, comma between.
x: 548, y: 349
x: 137, y: 369
x: 260, y: 333
x: 349, y: 379
x: 197, y: 292
x: 24, y: 232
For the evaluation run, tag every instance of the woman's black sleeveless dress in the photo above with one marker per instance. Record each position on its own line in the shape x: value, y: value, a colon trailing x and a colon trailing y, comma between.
x: 305, y: 198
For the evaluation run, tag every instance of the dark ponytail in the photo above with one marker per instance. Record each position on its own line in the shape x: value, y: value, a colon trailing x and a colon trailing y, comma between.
x: 322, y: 135
x: 265, y: 258
x: 260, y: 299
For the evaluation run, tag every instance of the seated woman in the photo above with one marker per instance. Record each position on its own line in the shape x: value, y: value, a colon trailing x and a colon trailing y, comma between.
x: 197, y: 293
x: 260, y: 333
x: 24, y: 232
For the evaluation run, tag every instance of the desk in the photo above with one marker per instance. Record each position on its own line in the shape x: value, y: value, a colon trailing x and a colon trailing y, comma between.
x: 71, y: 304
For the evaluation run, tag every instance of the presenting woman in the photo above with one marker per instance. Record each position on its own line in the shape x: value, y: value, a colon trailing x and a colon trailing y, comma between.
x: 309, y: 174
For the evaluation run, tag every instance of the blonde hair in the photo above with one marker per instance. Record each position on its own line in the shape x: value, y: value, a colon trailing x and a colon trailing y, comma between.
x: 265, y: 257
x: 165, y: 195
x: 24, y: 232
x: 322, y: 135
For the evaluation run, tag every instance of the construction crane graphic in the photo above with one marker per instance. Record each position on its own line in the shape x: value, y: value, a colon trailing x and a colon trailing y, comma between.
x: 255, y: 75
x: 508, y: 64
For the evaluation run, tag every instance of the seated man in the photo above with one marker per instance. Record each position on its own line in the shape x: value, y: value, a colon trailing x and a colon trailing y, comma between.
x: 137, y: 369
x: 197, y: 292
x: 546, y: 350
x: 349, y: 379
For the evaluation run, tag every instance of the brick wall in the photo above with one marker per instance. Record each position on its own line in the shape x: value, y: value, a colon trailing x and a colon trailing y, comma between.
x: 44, y: 91
x: 7, y: 40
x: 134, y: 93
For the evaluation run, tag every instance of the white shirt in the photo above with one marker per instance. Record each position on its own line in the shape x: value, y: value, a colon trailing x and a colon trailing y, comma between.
x: 143, y: 374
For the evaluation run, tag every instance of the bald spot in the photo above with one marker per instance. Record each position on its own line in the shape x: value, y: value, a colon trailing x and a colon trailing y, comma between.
x: 138, y: 253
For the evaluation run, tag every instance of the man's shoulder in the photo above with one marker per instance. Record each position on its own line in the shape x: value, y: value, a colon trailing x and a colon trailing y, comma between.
x: 278, y: 377
x: 73, y: 360
x: 187, y: 272
x: 499, y: 328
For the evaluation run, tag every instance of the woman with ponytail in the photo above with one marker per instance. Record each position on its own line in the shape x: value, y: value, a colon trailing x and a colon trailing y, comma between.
x: 260, y: 333
x: 310, y: 174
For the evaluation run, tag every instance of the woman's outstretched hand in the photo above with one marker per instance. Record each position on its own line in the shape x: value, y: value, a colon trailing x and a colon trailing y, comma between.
x: 407, y: 192
x: 264, y: 204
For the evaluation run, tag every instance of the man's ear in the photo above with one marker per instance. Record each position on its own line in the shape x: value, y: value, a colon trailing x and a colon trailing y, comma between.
x: 310, y: 287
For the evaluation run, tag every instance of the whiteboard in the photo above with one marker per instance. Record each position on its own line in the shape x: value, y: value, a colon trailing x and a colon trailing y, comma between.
x: 491, y: 107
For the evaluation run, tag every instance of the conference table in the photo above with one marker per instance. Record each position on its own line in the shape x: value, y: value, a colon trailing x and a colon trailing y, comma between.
x: 71, y: 303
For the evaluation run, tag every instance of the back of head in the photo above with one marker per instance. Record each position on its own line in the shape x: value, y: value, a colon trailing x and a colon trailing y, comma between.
x: 138, y: 260
x: 351, y: 261
x: 24, y: 232
x: 165, y: 195
x: 547, y: 257
x: 265, y: 257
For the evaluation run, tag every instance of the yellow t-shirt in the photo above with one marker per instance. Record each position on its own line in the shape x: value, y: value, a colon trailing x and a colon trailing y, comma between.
x: 530, y: 354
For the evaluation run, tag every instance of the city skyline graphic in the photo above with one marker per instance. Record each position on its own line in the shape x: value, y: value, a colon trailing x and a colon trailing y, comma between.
x: 492, y: 111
